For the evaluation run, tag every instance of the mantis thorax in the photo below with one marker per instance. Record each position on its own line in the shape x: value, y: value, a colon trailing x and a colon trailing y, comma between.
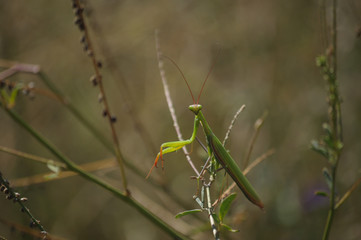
x: 195, y: 108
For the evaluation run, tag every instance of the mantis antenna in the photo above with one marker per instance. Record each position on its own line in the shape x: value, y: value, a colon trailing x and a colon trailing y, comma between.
x: 204, y: 82
x: 175, y: 64
x: 209, y: 73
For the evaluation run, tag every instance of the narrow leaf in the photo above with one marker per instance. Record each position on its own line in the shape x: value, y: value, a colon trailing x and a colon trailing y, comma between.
x: 181, y: 214
x: 321, y: 194
x: 225, y: 205
x: 13, y: 96
x: 229, y: 228
x: 216, y: 218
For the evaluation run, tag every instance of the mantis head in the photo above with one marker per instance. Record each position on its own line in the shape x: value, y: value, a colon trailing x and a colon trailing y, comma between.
x: 195, y: 108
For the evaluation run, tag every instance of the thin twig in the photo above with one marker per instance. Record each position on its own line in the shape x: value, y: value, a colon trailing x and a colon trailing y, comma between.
x: 170, y: 102
x: 31, y: 157
x: 15, y: 196
x: 28, y: 231
x: 257, y: 127
x: 348, y: 193
x: 210, y: 214
x: 123, y: 88
x: 88, y: 46
x: 89, y: 167
x: 232, y: 123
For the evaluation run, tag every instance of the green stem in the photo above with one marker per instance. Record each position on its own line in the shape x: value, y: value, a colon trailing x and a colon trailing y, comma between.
x: 331, y: 211
x: 73, y: 167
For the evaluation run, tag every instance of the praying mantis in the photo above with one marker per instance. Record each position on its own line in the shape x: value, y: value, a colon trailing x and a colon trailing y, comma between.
x: 214, y: 145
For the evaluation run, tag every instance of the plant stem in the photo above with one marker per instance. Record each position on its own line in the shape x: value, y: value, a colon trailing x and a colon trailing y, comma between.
x: 335, y: 121
x: 211, y: 219
x: 99, y: 81
x: 90, y: 177
x: 332, y: 209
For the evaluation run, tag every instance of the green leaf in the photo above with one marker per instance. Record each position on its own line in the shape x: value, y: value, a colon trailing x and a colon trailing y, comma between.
x: 13, y: 95
x: 216, y: 218
x: 225, y: 205
x: 321, y: 194
x: 5, y: 95
x: 229, y: 228
x: 187, y: 212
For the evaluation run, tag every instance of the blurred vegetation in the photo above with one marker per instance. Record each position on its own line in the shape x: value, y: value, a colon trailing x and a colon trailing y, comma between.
x: 267, y: 62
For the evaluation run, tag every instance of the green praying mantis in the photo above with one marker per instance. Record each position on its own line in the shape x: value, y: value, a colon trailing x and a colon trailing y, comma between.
x: 214, y: 145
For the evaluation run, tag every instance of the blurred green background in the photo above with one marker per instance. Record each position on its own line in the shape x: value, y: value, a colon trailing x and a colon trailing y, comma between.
x: 267, y: 62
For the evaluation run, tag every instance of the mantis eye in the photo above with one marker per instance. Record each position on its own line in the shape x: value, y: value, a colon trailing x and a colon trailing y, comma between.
x: 195, y: 108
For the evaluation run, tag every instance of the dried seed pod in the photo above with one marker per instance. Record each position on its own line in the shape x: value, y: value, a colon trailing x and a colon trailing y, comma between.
x: 78, y: 21
x: 73, y: 4
x: 90, y: 53
x: 82, y: 39
x: 100, y: 97
x: 78, y: 11
x: 93, y: 79
x: 23, y: 199
x: 85, y: 47
x: 105, y: 113
x: 113, y: 119
x: 81, y: 26
x: 32, y: 224
x: 99, y: 64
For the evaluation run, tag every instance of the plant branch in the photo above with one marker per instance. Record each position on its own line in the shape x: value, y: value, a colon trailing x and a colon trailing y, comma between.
x: 98, y: 80
x: 334, y: 139
x: 210, y: 214
x: 121, y: 83
x: 31, y: 157
x: 15, y: 196
x: 232, y: 123
x: 348, y: 193
x: 257, y: 127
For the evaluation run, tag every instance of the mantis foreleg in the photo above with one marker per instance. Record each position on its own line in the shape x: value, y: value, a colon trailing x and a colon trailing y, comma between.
x: 169, y: 147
